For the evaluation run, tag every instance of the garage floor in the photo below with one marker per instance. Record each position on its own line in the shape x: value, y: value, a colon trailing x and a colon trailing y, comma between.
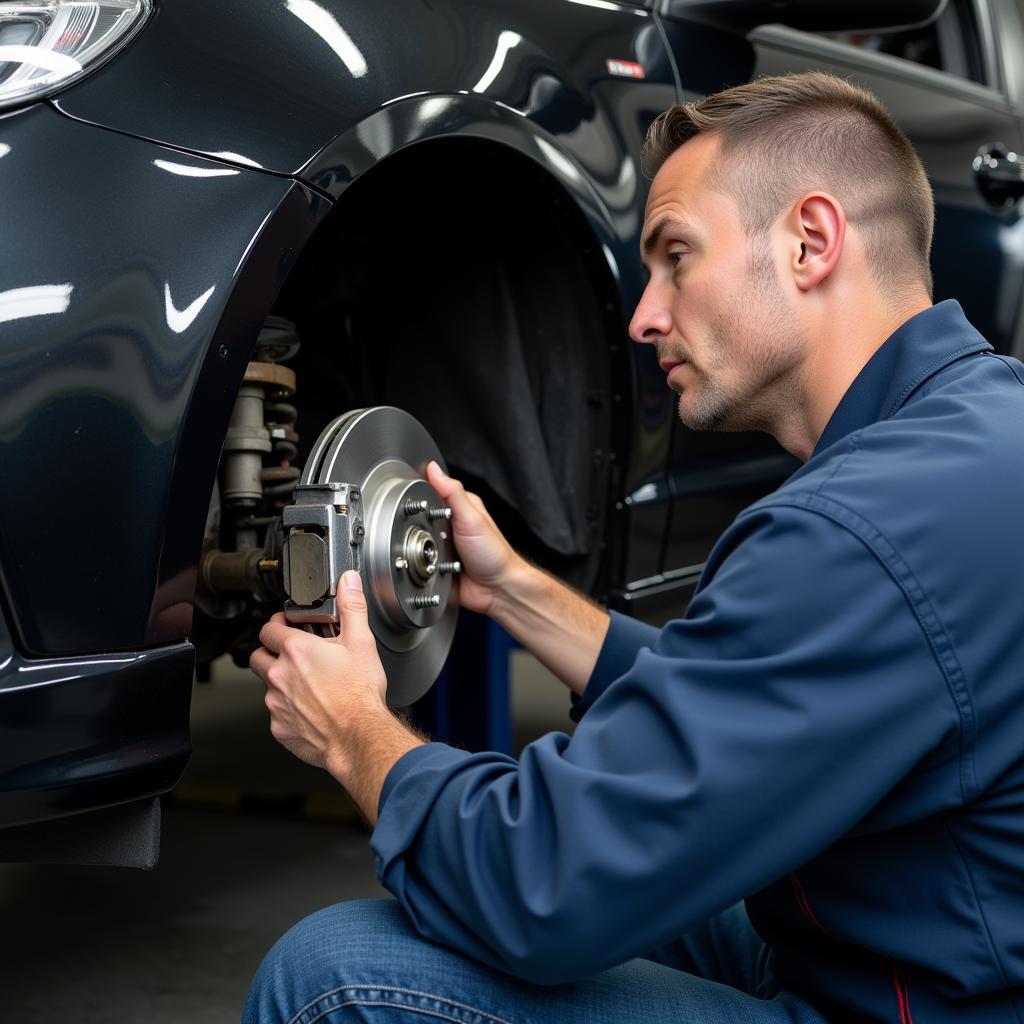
x: 253, y: 840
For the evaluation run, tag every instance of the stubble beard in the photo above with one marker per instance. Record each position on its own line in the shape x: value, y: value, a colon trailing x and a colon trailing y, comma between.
x: 765, y: 388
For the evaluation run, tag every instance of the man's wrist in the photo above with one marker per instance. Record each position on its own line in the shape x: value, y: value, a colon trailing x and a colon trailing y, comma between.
x: 365, y: 748
x: 518, y: 590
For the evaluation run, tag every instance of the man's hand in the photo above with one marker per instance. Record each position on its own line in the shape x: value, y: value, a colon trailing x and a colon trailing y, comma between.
x: 562, y: 628
x: 488, y: 560
x: 326, y: 698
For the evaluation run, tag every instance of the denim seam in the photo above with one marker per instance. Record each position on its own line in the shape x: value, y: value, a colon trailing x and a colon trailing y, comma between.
x: 392, y: 1006
x: 451, y: 1003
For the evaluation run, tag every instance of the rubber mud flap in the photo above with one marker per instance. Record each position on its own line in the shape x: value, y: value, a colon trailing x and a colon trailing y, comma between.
x: 123, y: 837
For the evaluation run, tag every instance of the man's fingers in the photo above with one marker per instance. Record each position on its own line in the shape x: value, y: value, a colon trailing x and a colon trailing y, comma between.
x: 273, y: 634
x: 260, y: 661
x: 452, y: 492
x: 355, y: 627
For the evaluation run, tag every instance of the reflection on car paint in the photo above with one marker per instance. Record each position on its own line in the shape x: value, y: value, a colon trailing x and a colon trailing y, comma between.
x: 506, y: 40
x: 189, y: 171
x: 237, y: 158
x: 607, y: 5
x: 181, y: 319
x: 326, y: 26
x: 36, y: 300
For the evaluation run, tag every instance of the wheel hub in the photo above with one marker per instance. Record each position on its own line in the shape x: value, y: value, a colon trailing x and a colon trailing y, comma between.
x: 394, y: 529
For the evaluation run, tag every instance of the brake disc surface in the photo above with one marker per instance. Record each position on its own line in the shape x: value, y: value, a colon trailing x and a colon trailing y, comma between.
x: 408, y: 557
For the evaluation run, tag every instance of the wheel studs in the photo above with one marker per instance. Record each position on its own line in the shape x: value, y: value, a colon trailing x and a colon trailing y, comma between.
x: 414, y: 508
x: 426, y: 600
x: 444, y: 568
x: 440, y: 513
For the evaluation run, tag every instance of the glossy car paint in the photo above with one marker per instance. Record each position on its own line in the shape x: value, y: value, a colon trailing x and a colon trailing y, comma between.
x: 156, y: 269
x: 127, y: 280
x: 114, y: 406
x: 343, y: 92
x: 124, y: 304
x: 533, y: 76
x: 82, y: 733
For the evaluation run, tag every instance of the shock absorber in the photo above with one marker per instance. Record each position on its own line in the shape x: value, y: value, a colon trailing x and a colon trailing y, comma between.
x: 257, y: 475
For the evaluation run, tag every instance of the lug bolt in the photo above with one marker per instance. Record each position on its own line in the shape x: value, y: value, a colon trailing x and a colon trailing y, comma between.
x: 440, y: 513
x: 401, y: 563
x: 426, y: 600
x: 449, y: 567
x: 414, y: 508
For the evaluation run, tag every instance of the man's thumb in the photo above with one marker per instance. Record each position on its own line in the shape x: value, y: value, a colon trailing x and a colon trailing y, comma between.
x: 441, y: 481
x: 355, y: 626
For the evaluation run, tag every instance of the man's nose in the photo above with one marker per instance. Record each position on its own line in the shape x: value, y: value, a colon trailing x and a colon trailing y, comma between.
x: 652, y: 319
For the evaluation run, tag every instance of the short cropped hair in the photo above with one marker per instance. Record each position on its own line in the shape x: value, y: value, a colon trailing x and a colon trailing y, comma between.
x: 786, y: 135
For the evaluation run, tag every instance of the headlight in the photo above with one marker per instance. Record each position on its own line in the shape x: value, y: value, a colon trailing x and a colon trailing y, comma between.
x: 47, y: 44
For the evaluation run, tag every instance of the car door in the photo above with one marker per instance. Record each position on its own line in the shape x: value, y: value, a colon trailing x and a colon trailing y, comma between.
x: 944, y: 85
x: 947, y: 85
x: 1006, y: 32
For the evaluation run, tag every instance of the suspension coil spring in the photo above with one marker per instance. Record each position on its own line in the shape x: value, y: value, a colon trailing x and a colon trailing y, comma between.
x: 279, y: 480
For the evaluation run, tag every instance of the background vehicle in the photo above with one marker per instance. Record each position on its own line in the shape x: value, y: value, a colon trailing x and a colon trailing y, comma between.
x: 443, y: 202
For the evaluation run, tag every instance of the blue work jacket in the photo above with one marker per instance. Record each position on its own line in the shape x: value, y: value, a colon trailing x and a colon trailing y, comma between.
x: 833, y: 731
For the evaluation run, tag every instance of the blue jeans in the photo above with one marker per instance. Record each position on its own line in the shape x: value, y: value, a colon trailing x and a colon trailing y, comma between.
x: 362, y: 961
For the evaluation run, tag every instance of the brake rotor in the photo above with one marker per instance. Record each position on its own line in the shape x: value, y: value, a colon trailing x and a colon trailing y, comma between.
x: 408, y: 557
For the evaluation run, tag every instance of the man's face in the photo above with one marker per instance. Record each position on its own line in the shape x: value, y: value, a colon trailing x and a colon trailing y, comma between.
x: 714, y: 306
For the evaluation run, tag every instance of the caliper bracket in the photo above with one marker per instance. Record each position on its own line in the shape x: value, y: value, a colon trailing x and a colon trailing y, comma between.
x: 323, y: 537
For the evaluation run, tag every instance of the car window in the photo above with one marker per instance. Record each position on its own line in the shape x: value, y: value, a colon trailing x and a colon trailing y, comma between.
x: 950, y: 43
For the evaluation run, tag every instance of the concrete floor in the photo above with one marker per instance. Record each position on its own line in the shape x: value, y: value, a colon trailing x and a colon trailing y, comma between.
x: 253, y: 840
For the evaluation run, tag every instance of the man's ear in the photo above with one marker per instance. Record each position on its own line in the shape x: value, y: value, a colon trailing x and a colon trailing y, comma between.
x: 818, y: 223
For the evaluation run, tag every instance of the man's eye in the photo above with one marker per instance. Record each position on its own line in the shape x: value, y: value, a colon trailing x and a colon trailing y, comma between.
x: 677, y: 257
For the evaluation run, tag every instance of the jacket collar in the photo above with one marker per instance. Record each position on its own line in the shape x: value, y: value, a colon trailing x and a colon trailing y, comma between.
x: 915, y: 351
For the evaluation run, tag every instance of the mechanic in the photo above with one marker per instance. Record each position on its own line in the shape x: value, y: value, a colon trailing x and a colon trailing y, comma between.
x: 831, y: 733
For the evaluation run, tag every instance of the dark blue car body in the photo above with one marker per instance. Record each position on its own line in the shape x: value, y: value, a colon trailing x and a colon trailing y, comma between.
x: 167, y: 204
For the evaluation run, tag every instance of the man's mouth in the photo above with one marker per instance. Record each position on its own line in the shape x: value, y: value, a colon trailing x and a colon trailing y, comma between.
x: 668, y: 365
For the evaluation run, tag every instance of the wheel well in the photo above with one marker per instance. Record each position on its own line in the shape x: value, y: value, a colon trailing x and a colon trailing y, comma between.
x: 458, y: 281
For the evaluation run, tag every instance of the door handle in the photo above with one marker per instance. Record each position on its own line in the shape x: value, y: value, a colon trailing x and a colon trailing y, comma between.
x: 999, y: 174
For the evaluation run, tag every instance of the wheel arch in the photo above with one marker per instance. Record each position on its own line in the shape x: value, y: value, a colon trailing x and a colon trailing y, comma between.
x: 418, y: 130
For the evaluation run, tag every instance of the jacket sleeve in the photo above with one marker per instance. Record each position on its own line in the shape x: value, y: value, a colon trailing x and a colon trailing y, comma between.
x: 622, y: 643
x: 796, y: 692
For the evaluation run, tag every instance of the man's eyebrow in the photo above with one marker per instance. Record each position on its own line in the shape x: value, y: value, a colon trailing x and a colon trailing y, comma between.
x: 650, y: 242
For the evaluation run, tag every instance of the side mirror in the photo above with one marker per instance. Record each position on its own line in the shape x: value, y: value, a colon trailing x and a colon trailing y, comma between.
x: 809, y: 15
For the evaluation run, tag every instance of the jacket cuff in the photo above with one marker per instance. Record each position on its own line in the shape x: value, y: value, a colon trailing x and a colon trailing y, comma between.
x: 407, y: 763
x: 407, y: 796
x: 622, y: 643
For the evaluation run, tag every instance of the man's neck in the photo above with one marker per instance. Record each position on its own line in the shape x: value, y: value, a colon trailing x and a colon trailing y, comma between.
x: 843, y: 344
